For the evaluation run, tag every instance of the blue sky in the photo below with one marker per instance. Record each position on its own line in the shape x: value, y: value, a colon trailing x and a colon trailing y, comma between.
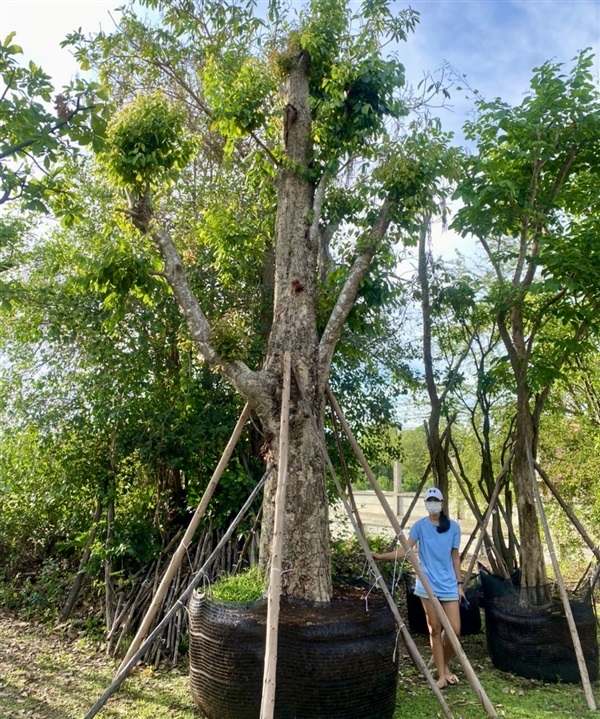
x: 497, y: 43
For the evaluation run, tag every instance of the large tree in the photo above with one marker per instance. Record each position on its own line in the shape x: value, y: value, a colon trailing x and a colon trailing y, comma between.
x: 302, y: 114
x: 532, y: 198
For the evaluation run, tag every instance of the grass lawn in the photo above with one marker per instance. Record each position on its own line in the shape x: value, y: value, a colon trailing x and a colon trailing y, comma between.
x: 512, y: 696
x: 45, y: 675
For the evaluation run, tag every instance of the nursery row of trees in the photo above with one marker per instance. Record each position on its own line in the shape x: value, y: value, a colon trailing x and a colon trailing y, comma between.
x: 231, y: 187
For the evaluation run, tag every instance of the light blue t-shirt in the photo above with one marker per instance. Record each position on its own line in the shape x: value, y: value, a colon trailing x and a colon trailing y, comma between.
x: 435, y: 557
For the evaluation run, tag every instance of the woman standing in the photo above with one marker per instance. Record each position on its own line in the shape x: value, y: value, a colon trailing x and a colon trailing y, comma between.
x: 438, y: 538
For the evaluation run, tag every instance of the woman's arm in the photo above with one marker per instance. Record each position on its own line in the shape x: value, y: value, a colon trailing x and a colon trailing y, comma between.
x: 458, y: 572
x: 398, y: 553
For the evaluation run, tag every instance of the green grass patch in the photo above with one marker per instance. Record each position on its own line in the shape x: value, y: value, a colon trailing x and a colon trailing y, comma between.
x: 244, y: 587
x: 513, y: 697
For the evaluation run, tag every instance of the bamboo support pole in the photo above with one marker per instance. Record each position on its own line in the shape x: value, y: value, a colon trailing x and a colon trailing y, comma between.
x: 344, y: 467
x: 452, y: 638
x: 411, y: 647
x: 267, y: 707
x: 179, y: 604
x: 177, y: 557
x: 569, y: 512
x: 413, y: 651
x: 503, y: 512
x: 583, y: 672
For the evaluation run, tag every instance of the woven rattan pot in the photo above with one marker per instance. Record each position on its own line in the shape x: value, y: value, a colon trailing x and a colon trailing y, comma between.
x: 335, y: 660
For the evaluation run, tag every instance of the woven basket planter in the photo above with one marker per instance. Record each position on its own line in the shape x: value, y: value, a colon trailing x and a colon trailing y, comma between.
x: 535, y: 641
x: 335, y: 660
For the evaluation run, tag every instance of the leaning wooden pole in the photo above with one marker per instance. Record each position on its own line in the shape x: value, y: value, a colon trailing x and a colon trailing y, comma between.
x: 179, y: 604
x: 499, y: 561
x: 267, y: 706
x: 569, y: 512
x: 583, y: 672
x: 181, y: 550
x: 411, y: 647
x: 452, y: 638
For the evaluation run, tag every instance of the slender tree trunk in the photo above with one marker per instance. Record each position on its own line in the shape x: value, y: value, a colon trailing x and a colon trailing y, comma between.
x: 437, y: 451
x: 85, y: 558
x: 109, y: 590
x: 533, y: 570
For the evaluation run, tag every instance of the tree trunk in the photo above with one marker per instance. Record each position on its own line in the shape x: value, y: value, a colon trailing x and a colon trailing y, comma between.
x: 533, y: 570
x: 306, y: 551
x: 437, y: 451
x: 85, y: 558
x: 109, y: 590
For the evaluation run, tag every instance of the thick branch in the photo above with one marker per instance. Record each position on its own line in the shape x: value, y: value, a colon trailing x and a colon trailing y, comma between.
x: 349, y: 293
x: 247, y: 382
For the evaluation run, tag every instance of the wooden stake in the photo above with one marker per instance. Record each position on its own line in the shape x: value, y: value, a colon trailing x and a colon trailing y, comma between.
x: 267, y: 707
x: 477, y: 514
x: 179, y: 554
x: 452, y: 638
x: 488, y: 514
x: 583, y: 672
x: 569, y: 512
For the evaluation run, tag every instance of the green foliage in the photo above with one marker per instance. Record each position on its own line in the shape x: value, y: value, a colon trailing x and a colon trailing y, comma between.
x: 241, y: 91
x: 246, y: 586
x: 354, y: 89
x: 523, y: 195
x: 348, y: 562
x: 231, y: 336
x: 147, y: 145
x: 36, y: 141
x: 415, y: 457
x: 121, y: 404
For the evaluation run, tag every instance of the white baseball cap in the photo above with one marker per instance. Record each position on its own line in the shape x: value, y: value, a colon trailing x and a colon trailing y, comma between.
x: 434, y: 493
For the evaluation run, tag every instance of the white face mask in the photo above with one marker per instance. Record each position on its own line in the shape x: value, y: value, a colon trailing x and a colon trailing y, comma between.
x: 433, y: 507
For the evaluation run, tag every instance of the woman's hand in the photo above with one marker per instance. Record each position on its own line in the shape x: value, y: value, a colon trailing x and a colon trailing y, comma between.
x: 461, y: 593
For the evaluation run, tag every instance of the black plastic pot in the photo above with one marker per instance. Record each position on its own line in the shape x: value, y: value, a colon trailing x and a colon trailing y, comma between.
x: 335, y: 660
